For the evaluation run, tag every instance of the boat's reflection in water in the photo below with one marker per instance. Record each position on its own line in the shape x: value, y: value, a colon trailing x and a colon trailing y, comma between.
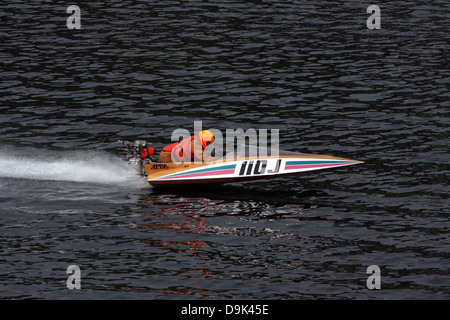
x: 194, y: 224
x: 198, y: 204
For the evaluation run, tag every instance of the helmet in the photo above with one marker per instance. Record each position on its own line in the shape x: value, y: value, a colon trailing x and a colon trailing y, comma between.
x: 206, y: 137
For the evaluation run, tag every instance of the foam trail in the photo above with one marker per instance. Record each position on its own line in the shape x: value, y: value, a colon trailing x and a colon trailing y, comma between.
x: 79, y: 167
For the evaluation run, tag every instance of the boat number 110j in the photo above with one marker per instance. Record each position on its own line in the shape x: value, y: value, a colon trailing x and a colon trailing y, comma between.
x: 259, y: 167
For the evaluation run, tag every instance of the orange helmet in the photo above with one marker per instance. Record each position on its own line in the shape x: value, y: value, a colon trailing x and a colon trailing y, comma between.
x: 206, y: 137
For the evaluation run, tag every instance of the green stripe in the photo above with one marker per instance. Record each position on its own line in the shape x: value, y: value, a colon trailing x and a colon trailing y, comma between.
x: 231, y: 166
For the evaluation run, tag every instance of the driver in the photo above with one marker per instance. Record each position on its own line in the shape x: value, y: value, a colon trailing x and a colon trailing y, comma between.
x: 187, y: 150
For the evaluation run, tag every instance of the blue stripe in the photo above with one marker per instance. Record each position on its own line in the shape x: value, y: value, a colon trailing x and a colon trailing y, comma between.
x: 295, y: 163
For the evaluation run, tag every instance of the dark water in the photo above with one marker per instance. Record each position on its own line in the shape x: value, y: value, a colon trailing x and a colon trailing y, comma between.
x: 141, y: 69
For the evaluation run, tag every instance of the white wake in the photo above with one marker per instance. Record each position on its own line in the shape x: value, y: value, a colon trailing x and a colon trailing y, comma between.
x: 92, y: 167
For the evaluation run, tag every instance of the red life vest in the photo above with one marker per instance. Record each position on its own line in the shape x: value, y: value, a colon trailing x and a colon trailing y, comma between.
x: 180, y: 149
x: 145, y: 152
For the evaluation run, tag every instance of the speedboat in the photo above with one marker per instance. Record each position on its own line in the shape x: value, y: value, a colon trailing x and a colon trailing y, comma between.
x: 252, y: 165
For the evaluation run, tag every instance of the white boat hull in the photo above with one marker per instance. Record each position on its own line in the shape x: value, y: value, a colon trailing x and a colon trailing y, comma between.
x: 242, y: 170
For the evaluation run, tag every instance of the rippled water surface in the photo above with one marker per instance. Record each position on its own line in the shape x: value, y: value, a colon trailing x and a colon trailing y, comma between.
x: 140, y: 69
